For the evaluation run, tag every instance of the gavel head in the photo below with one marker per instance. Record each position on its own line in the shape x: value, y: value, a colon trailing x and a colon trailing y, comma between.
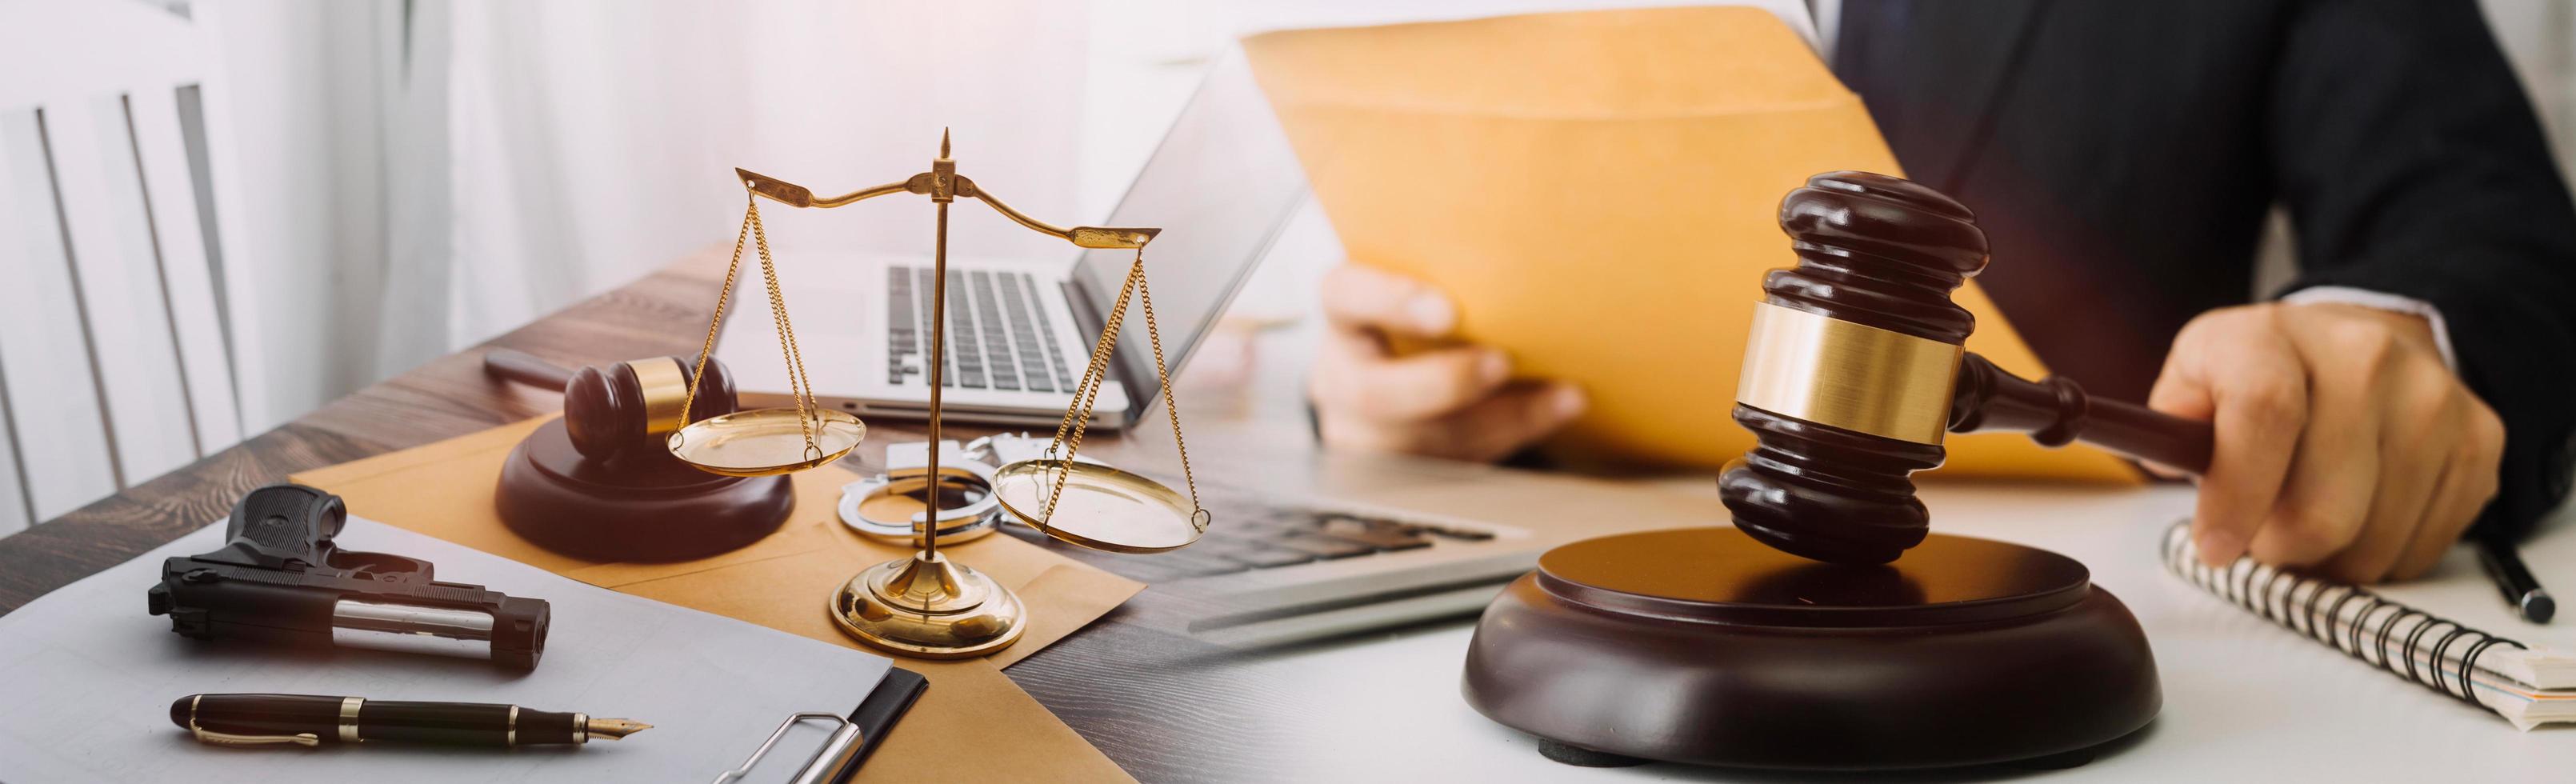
x: 624, y: 407
x: 1848, y: 370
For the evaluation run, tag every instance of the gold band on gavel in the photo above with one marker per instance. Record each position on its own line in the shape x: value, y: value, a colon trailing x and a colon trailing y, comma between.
x: 1834, y: 372
x: 666, y: 391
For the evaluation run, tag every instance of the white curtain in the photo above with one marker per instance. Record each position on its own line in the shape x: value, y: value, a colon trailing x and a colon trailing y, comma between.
x: 589, y: 142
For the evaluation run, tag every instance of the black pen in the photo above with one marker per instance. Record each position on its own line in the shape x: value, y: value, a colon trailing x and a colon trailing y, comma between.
x: 306, y: 720
x: 2513, y: 578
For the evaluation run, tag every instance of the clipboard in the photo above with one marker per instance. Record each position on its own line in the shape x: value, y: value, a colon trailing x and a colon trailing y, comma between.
x: 853, y: 738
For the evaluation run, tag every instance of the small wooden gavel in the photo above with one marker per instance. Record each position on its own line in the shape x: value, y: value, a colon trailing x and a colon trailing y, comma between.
x: 1854, y: 371
x: 614, y: 409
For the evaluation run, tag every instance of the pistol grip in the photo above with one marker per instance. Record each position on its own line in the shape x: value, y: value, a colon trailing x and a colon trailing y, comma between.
x: 286, y: 521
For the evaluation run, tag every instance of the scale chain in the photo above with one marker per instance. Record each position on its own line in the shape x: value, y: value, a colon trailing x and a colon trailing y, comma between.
x: 800, y: 386
x: 1077, y: 419
x: 1199, y: 516
x: 751, y: 214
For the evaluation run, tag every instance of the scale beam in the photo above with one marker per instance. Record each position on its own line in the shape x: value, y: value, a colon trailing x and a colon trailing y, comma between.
x: 794, y: 195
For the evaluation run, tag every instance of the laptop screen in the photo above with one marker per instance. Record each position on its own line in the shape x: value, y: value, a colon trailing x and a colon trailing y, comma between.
x: 1221, y: 185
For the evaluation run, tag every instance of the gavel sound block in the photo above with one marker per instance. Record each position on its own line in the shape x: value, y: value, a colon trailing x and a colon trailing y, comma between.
x: 1828, y: 629
x: 599, y: 484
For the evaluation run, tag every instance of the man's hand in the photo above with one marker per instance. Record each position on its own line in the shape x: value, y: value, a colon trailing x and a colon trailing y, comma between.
x: 1449, y: 402
x: 2343, y: 443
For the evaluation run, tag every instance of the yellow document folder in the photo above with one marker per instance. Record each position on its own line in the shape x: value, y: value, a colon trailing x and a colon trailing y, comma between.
x: 1598, y: 192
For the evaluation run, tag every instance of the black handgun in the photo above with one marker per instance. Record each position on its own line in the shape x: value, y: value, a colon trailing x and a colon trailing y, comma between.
x: 279, y: 579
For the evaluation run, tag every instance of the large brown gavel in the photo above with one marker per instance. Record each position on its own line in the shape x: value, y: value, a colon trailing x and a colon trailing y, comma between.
x: 1854, y: 371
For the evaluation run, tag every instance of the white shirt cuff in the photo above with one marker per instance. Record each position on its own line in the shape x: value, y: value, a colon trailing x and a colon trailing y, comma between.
x: 2380, y: 300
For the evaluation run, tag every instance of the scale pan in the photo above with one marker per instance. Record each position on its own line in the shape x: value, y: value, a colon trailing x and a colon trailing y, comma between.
x: 1103, y: 508
x: 765, y: 441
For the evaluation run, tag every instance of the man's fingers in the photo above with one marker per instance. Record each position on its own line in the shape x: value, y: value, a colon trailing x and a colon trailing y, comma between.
x: 2335, y: 473
x: 2468, y: 483
x: 1511, y: 421
x: 1491, y: 429
x: 1363, y: 298
x: 1416, y: 386
x: 2457, y: 500
x: 2181, y: 389
x: 2254, y: 386
x: 2411, y: 469
x: 1342, y: 358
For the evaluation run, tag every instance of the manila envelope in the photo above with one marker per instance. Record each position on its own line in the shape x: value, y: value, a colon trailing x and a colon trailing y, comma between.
x: 972, y: 724
x: 1598, y: 193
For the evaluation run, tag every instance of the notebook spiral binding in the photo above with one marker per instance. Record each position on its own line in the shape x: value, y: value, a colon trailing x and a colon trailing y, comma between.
x: 2397, y: 636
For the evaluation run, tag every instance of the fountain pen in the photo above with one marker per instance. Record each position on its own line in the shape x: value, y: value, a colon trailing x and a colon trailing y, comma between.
x: 307, y: 720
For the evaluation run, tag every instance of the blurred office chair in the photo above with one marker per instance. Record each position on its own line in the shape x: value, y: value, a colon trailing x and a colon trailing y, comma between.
x: 116, y: 362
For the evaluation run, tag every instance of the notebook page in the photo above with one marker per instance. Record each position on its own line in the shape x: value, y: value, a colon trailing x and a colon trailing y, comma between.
x: 89, y: 678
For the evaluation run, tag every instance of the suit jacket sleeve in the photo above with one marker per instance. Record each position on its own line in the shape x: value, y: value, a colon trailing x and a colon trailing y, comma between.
x: 2412, y: 164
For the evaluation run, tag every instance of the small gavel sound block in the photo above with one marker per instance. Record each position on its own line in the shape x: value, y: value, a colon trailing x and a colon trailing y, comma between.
x: 599, y: 484
x: 1799, y: 638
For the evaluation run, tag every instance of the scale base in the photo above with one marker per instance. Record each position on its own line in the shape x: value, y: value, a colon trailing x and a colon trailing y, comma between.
x: 641, y: 506
x: 929, y: 607
x: 1703, y: 646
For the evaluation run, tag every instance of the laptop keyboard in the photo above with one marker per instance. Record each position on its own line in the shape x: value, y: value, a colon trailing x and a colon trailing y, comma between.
x: 1256, y: 535
x: 997, y: 335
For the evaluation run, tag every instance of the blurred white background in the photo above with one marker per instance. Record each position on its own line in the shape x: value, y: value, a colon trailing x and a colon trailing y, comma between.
x: 419, y: 175
x: 404, y: 178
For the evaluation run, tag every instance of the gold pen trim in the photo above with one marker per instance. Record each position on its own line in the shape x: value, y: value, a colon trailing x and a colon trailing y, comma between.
x: 204, y: 735
x: 349, y: 719
x: 228, y: 739
x: 580, y: 728
x: 513, y: 738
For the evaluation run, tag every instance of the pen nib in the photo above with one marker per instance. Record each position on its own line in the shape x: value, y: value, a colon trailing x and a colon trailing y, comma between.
x: 613, y: 729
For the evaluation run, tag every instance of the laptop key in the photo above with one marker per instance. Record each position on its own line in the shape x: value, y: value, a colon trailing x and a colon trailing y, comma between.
x: 1251, y: 531
x: 1262, y: 557
x: 1379, y: 534
x: 1322, y: 546
x: 1445, y: 532
x: 1151, y: 571
x: 1191, y: 563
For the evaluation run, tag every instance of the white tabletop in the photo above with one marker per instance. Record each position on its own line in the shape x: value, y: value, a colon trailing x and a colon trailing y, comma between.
x: 2243, y: 699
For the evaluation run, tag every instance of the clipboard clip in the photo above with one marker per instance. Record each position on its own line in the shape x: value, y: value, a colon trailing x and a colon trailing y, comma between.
x: 821, y: 767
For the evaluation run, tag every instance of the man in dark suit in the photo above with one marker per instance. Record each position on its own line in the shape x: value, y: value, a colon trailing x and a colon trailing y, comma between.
x: 2418, y: 375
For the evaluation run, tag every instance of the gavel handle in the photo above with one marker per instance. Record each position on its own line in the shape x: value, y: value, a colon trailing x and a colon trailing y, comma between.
x: 2055, y: 410
x: 525, y: 368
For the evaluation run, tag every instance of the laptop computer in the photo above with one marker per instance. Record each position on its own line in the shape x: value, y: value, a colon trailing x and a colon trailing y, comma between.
x: 1221, y: 185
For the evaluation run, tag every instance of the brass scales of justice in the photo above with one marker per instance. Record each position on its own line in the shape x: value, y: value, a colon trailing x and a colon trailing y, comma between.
x: 928, y: 605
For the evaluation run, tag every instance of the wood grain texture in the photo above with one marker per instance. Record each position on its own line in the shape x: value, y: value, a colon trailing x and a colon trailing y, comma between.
x: 1165, y: 708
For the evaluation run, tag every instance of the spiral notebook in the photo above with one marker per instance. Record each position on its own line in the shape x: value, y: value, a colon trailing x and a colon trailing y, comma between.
x: 2527, y: 687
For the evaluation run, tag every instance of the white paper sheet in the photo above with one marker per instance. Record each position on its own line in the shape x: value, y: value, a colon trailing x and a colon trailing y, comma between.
x: 87, y: 678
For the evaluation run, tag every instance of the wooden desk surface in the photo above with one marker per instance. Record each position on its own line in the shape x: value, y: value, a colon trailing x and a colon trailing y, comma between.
x: 1159, y: 723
